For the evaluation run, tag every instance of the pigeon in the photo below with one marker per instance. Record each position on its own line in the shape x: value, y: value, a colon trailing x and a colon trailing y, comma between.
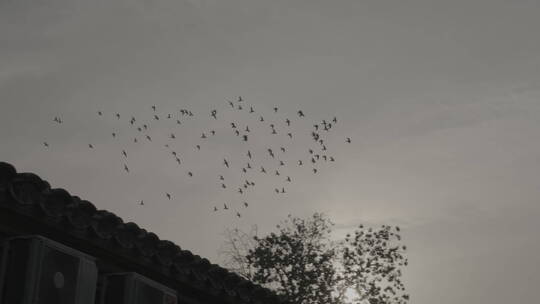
x: 277, y: 172
x: 203, y: 135
x: 274, y: 131
x: 169, y: 116
x: 233, y: 125
x: 335, y: 119
x: 114, y: 135
x: 301, y: 113
x: 239, y: 107
x: 288, y: 122
x: 240, y: 99
x: 117, y: 115
x: 282, y: 149
x: 261, y: 118
x: 145, y: 127
x: 221, y: 177
x: 275, y: 109
x: 223, y: 186
x: 288, y: 178
x: 281, y: 163
x: 238, y: 214
x: 348, y: 140
x: 282, y: 190
x: 178, y: 122
x: 270, y: 152
x: 299, y: 162
x: 231, y: 104
x: 214, y: 114
x: 156, y: 117
x: 246, y: 205
x: 247, y: 129
x: 251, y: 110
x: 332, y: 159
x: 225, y: 207
x: 135, y: 139
x: 213, y: 132
x: 190, y: 174
x: 237, y: 132
x: 240, y: 191
x: 310, y: 151
x: 148, y: 137
x: 277, y: 190
x: 314, y: 170
x: 248, y: 166
x: 245, y: 137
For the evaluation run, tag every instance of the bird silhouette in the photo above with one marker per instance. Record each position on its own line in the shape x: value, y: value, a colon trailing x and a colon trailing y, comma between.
x: 261, y: 118
x: 223, y: 186
x: 270, y: 152
x: 249, y: 154
x: 198, y: 147
x: 231, y: 104
x: 100, y: 113
x: 226, y: 163
x: 281, y: 163
x: 277, y: 172
x: 332, y: 159
x: 221, y: 177
x: 141, y: 203
x: 301, y: 113
x: 348, y: 140
x: 240, y: 191
x: 233, y: 125
x: 239, y: 107
x: 247, y: 129
x: 169, y: 116
x: 124, y: 153
x: 288, y: 178
x: 237, y: 132
x: 299, y: 162
x: 168, y: 196
x: 117, y: 115
x: 275, y: 109
x: 156, y: 117
x: 214, y: 114
x: 225, y: 207
x: 90, y: 146
x: 240, y: 99
x: 45, y: 144
x: 263, y: 170
x: 215, y: 209
x: 282, y: 149
x: 251, y: 110
x: 335, y: 119
x: 148, y: 137
x: 289, y: 134
x: 154, y: 108
x: 314, y: 170
x: 203, y: 135
x: 213, y: 132
x: 190, y: 174
x: 238, y: 214
x: 245, y: 137
x: 114, y: 135
x: 283, y: 190
x: 126, y: 168
x: 178, y: 122
x: 135, y: 139
x: 246, y: 205
x: 288, y: 122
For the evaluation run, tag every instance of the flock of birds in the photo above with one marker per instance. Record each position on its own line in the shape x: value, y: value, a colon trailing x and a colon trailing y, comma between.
x: 269, y: 162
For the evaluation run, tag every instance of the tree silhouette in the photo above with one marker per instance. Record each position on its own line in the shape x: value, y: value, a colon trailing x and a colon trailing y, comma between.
x: 303, y: 264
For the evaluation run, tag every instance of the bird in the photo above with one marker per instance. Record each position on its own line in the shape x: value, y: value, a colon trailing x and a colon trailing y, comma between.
x: 263, y: 170
x: 190, y: 174
x: 299, y: 162
x: 226, y: 163
x: 214, y: 114
x: 198, y: 147
x: 288, y: 122
x: 335, y: 119
x: 276, y: 189
x: 261, y: 118
x: 240, y: 99
x: 139, y: 129
x: 301, y: 113
x: 251, y: 110
x: 239, y: 107
x: 223, y: 186
x: 282, y: 190
x: 332, y: 159
x: 246, y: 205
x: 124, y: 153
x: 114, y: 135
x: 215, y: 209
x: 274, y: 131
x: 277, y: 172
x: 156, y: 117
x: 126, y: 168
x: 178, y: 122
x: 282, y: 149
x: 310, y: 151
x: 169, y: 116
x: 245, y: 137
x: 247, y: 129
x: 221, y: 177
x: 100, y: 113
x: 240, y: 191
x: 135, y: 139
x: 270, y: 152
x: 154, y: 108
x: 225, y: 207
x: 275, y: 109
x: 117, y: 115
x: 178, y: 160
x: 238, y: 214
x: 288, y: 178
x: 281, y: 163
x: 237, y: 132
x: 45, y: 144
x: 203, y: 135
x: 231, y: 104
x: 168, y: 196
x: 316, y: 127
x: 213, y: 132
x: 248, y: 166
x: 148, y: 137
x: 314, y: 170
x: 348, y: 140
x: 145, y: 127
x: 289, y: 134
x: 324, y: 157
x: 249, y: 154
x: 90, y: 146
x: 141, y: 203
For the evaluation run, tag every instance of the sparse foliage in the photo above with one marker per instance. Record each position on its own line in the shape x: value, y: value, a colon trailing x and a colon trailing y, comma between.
x: 302, y: 263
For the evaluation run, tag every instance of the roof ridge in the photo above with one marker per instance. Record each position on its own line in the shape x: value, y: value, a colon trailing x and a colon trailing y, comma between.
x: 29, y: 195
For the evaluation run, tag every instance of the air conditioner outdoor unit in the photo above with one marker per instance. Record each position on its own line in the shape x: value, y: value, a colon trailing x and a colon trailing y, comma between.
x: 133, y: 288
x: 37, y: 270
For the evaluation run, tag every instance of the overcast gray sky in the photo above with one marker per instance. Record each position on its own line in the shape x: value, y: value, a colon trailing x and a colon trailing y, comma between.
x: 440, y: 98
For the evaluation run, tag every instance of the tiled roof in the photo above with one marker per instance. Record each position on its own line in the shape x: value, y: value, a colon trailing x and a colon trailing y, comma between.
x: 27, y: 195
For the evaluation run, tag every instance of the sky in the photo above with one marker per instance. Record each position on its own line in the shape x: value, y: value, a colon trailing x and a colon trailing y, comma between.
x: 440, y: 98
